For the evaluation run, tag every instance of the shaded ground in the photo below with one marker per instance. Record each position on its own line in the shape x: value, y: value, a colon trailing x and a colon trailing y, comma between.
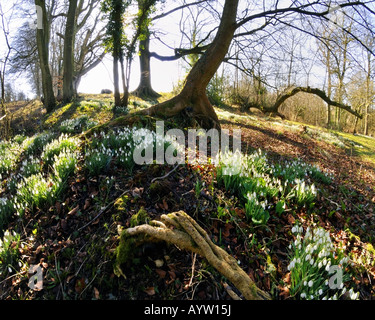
x: 77, y: 248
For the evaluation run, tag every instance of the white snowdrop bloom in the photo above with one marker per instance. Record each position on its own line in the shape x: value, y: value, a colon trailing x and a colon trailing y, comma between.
x: 328, y: 265
x: 303, y: 295
x: 310, y: 284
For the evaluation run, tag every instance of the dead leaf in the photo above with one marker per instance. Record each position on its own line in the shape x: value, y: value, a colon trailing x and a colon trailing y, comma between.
x: 87, y: 204
x: 284, y: 292
x: 80, y: 285
x: 161, y: 273
x: 165, y: 204
x: 73, y: 211
x: 137, y: 192
x: 96, y: 293
x: 172, y: 274
x: 150, y: 291
x: 291, y: 219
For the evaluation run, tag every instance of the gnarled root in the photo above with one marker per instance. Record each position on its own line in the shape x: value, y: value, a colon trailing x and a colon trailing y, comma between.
x: 180, y: 229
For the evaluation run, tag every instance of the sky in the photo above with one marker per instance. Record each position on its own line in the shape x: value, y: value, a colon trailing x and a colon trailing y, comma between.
x: 164, y: 75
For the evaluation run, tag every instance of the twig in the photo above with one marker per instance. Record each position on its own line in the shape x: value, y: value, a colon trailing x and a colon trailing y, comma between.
x: 103, y: 210
x: 163, y: 177
x: 192, y: 269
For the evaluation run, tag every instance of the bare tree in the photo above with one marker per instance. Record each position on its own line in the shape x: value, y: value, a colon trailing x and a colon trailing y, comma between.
x: 193, y: 94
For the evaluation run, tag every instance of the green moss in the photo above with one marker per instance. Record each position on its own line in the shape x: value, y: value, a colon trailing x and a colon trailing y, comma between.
x: 140, y: 218
x: 370, y: 248
x: 120, y: 206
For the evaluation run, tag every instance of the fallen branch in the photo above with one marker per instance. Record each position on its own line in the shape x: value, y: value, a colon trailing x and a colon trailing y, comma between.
x: 165, y: 176
x: 180, y: 229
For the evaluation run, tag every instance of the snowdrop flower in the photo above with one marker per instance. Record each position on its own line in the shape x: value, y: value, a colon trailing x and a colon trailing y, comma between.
x: 310, y: 284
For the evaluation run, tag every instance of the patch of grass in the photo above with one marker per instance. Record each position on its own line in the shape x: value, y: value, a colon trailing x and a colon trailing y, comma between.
x: 363, y: 146
x: 6, y: 212
x: 9, y: 253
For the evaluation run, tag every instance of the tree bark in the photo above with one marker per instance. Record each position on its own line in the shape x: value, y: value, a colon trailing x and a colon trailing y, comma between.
x: 69, y: 40
x: 180, y: 229
x: 116, y: 81
x: 42, y: 39
x: 193, y: 93
x: 315, y: 91
x: 144, y: 89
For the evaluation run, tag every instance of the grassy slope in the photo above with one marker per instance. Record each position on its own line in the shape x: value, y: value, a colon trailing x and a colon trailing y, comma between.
x: 83, y: 260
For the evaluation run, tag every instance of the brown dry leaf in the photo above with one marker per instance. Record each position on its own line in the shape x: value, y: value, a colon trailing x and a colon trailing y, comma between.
x: 165, y: 204
x: 226, y: 232
x: 150, y: 291
x: 161, y: 273
x: 96, y: 293
x: 73, y: 211
x: 172, y: 274
x: 80, y: 285
x: 87, y: 204
x: 284, y: 292
x: 240, y: 212
x: 291, y: 219
x: 137, y: 192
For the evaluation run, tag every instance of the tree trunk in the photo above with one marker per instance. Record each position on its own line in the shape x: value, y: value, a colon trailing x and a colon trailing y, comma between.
x: 193, y: 93
x: 42, y: 39
x: 329, y: 93
x: 68, y: 86
x: 144, y: 89
x: 116, y: 81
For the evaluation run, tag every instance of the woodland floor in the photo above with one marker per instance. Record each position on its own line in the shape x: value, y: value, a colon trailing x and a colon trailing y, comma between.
x: 78, y: 259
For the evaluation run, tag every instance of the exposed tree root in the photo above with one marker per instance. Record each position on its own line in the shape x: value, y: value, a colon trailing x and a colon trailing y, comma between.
x: 180, y: 229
